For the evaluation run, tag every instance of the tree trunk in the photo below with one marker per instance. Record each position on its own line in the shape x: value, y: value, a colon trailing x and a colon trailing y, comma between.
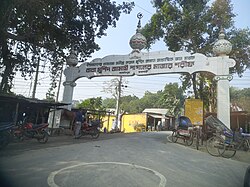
x: 8, y: 65
x: 195, y: 86
x: 201, y: 87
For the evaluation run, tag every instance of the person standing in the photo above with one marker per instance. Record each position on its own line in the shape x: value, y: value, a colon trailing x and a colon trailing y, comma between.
x: 78, y: 123
x: 159, y: 126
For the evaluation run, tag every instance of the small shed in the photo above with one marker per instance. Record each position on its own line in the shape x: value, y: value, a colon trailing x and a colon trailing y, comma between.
x: 13, y: 107
x: 159, y: 119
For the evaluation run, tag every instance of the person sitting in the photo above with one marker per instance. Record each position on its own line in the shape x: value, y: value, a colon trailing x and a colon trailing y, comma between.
x: 85, y: 124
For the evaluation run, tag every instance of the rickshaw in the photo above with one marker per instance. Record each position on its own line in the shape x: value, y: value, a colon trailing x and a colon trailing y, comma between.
x: 183, y: 130
x: 224, y: 141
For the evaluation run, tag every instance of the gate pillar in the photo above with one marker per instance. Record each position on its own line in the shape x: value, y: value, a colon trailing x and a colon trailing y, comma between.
x: 223, y: 99
x: 68, y: 92
x: 222, y: 48
x: 69, y: 84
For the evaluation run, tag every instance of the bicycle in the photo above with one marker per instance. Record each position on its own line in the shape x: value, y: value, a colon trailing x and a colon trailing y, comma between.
x: 197, y: 135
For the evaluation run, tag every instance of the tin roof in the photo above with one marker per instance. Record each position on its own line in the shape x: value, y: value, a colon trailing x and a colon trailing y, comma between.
x: 157, y: 111
x: 25, y: 100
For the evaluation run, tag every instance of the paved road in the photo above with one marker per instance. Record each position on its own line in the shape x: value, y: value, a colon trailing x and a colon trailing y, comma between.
x: 140, y: 159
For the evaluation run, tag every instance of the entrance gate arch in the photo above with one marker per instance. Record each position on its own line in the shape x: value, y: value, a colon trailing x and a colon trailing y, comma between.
x: 159, y: 62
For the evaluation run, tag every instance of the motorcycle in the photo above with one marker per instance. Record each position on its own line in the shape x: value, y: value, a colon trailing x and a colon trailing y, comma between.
x: 37, y: 131
x: 5, y: 134
x: 92, y: 129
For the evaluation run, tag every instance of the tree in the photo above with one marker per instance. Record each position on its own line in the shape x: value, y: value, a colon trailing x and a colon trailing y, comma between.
x: 241, y: 97
x: 151, y: 100
x: 92, y: 104
x: 173, y: 98
x: 109, y: 103
x: 115, y: 87
x: 33, y: 31
x: 193, y: 26
x: 129, y: 104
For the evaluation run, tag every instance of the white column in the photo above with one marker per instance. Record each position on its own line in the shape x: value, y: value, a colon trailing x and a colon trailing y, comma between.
x: 68, y: 92
x: 223, y: 100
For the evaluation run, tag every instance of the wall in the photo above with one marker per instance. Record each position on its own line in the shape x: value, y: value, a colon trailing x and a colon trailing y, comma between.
x: 130, y: 123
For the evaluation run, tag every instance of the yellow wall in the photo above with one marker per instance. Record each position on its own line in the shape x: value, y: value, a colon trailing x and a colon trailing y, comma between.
x: 107, y: 122
x: 134, y: 123
x: 194, y: 111
x: 130, y: 123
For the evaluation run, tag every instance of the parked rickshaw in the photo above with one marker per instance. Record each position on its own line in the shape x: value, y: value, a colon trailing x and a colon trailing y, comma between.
x: 224, y: 142
x: 183, y: 130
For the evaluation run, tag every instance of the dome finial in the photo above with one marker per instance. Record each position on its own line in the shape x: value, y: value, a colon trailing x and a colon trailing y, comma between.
x: 222, y: 46
x: 139, y: 16
x: 137, y: 41
x: 221, y: 34
x: 72, y: 60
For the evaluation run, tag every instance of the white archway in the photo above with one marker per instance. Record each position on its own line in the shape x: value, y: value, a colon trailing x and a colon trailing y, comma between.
x: 159, y: 62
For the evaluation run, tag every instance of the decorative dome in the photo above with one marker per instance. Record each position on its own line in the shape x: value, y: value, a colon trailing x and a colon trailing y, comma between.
x: 222, y: 47
x: 138, y: 41
x: 72, y: 59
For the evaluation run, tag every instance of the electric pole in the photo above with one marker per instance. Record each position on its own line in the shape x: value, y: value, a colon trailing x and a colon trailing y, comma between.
x: 117, y: 110
x: 59, y: 85
x: 36, y: 77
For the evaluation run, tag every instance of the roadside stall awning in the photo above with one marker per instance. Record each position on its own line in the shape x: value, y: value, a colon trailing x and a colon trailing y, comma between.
x: 158, y: 116
x: 158, y: 112
x: 13, y: 107
x: 24, y: 100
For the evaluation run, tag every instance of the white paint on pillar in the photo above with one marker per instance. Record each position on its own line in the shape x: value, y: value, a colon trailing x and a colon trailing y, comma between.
x: 223, y: 102
x: 69, y: 85
x: 68, y: 93
x: 223, y: 97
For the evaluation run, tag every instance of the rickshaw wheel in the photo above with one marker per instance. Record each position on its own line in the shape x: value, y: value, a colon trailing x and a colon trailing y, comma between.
x: 245, y: 145
x: 215, y: 146
x: 174, y: 136
x: 189, y: 140
x: 229, y: 152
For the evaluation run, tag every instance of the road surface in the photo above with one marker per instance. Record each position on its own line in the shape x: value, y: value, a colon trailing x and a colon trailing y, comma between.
x: 138, y: 159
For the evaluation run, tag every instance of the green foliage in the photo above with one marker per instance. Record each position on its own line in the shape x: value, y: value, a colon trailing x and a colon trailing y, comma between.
x: 109, y: 103
x: 240, y: 39
x: 241, y: 97
x: 151, y: 100
x: 92, y: 104
x: 172, y: 98
x: 128, y: 103
x: 193, y: 26
x: 32, y: 30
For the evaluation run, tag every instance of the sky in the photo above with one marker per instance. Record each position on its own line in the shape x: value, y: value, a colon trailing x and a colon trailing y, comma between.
x: 117, y: 42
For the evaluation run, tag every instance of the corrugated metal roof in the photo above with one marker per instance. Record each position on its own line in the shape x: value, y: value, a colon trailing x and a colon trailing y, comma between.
x: 158, y: 116
x: 161, y: 111
x: 24, y: 100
